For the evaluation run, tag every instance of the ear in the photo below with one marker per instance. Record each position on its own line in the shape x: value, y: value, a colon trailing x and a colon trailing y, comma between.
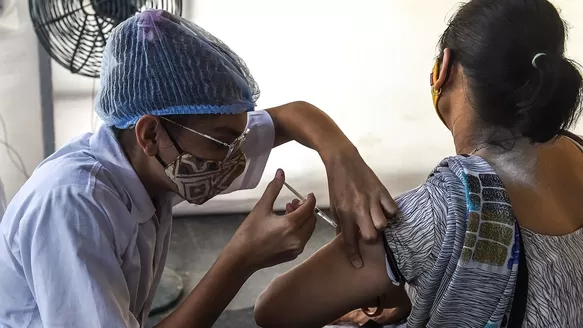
x: 148, y: 129
x: 443, y: 69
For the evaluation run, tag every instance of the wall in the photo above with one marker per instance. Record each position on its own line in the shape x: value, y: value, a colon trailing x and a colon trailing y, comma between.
x: 19, y: 97
x: 365, y: 64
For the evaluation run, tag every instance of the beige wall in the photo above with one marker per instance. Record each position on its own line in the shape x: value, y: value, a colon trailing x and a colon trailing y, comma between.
x: 19, y: 97
x: 366, y: 63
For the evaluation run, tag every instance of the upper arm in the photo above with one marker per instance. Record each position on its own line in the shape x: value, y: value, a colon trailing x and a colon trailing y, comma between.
x: 327, y: 286
x: 286, y: 118
x: 324, y: 287
x: 70, y: 262
x: 280, y: 136
x: 417, y: 233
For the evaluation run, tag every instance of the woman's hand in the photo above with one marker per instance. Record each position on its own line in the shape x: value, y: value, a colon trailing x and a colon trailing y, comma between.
x: 387, y: 317
x: 265, y: 239
x: 358, y: 199
x: 396, y: 309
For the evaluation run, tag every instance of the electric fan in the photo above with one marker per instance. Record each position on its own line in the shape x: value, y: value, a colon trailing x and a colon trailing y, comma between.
x: 74, y: 32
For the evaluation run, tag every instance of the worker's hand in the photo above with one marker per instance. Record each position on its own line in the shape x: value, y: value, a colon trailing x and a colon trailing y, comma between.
x: 266, y: 239
x: 359, y: 201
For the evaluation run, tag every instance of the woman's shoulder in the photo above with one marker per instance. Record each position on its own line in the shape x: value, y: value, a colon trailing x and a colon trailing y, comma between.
x: 426, y: 212
x: 435, y: 241
x: 462, y: 166
x: 448, y: 183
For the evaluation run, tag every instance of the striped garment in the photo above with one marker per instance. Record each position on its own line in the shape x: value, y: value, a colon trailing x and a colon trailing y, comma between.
x: 456, y: 244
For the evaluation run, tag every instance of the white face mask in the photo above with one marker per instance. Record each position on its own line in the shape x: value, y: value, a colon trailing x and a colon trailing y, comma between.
x: 257, y: 147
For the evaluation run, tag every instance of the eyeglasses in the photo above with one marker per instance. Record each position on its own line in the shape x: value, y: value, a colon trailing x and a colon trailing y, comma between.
x: 233, y: 147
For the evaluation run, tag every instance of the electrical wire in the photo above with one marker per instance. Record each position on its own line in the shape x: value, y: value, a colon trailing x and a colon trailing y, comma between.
x: 13, y: 154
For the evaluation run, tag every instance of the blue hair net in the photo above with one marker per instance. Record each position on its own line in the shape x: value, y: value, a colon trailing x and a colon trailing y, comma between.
x: 161, y: 64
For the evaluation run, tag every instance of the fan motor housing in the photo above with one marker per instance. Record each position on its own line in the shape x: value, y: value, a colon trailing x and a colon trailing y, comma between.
x: 117, y: 11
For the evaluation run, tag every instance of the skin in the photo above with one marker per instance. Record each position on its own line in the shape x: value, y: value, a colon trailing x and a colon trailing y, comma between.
x: 362, y: 203
x: 545, y: 199
x: 388, y: 316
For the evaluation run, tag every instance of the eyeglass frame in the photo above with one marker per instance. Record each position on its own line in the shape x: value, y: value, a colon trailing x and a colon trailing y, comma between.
x: 232, y: 147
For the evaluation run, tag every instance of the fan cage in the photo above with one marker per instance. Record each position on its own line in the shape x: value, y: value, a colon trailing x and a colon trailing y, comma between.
x: 74, y: 32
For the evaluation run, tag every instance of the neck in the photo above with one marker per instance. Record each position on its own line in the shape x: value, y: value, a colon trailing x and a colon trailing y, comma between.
x: 471, y: 135
x: 514, y: 159
x: 515, y: 165
x: 154, y: 188
x: 150, y: 178
x: 464, y: 136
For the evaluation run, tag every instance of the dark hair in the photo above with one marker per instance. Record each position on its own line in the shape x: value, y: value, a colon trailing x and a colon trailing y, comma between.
x: 495, y: 42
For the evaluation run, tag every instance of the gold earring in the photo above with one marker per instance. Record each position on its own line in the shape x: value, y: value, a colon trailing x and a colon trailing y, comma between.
x: 436, y: 92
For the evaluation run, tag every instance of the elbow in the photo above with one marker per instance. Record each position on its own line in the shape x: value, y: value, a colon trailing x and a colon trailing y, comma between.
x: 274, y: 310
x: 304, y: 106
x: 266, y: 311
x: 264, y: 314
x: 302, y: 103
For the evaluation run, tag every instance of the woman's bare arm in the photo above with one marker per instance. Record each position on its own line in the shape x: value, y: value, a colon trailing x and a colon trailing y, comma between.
x: 327, y: 286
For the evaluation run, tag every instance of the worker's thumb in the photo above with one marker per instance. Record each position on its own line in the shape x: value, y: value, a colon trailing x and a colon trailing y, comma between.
x: 271, y: 192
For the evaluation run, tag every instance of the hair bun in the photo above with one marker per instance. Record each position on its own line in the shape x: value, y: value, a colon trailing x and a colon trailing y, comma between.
x: 554, y: 103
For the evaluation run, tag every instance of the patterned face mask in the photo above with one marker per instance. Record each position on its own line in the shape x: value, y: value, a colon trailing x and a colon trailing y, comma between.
x: 199, y: 180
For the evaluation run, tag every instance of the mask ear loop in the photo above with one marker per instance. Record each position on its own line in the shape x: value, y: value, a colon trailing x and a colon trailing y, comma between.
x: 174, y: 143
x: 433, y: 79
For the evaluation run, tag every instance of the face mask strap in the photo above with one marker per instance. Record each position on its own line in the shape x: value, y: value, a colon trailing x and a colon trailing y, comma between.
x: 174, y: 143
x: 434, y: 77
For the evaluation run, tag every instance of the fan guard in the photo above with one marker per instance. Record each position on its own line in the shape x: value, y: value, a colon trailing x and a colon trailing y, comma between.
x: 74, y: 32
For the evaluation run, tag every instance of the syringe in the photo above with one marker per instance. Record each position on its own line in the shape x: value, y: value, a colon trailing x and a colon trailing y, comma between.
x: 318, y: 211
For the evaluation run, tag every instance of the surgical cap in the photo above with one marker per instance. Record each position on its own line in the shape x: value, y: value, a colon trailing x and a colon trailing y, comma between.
x: 161, y: 64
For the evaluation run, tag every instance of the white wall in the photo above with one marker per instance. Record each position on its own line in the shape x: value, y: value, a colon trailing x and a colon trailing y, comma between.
x: 19, y: 96
x: 365, y: 63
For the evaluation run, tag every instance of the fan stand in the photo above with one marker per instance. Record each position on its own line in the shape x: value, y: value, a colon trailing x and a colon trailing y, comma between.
x: 168, y: 292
